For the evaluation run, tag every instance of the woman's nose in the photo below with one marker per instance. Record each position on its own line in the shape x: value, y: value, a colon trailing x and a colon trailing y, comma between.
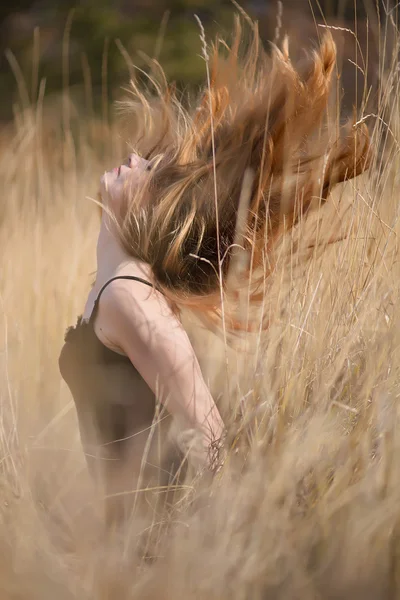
x: 130, y: 161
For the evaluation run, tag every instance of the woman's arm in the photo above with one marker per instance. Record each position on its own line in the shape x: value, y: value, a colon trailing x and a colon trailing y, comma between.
x: 142, y: 324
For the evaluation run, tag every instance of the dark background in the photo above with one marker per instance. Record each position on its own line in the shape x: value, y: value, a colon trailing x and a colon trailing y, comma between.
x: 74, y: 44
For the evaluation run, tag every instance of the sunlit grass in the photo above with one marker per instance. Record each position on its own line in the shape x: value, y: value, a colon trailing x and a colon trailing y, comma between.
x: 308, y: 504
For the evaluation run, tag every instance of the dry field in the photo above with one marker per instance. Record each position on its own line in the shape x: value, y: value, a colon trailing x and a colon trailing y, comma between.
x: 308, y: 504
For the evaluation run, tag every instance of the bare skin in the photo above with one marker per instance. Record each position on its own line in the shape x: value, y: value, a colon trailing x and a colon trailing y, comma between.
x: 137, y: 321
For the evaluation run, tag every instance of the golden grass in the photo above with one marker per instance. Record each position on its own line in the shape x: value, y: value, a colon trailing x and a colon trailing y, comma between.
x: 308, y: 504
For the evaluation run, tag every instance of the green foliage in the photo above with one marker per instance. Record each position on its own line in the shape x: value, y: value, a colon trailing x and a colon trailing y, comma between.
x: 85, y: 40
x: 79, y: 42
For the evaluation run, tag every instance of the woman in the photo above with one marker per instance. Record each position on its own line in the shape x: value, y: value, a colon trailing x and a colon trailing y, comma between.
x: 128, y: 348
x: 167, y: 239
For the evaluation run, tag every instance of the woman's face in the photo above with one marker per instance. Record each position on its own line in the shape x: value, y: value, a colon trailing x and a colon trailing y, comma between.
x: 128, y: 177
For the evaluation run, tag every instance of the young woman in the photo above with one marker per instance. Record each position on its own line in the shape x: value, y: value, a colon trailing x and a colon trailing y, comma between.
x: 167, y: 238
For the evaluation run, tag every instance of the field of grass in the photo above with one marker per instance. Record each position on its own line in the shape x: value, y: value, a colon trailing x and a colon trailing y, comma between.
x: 308, y: 503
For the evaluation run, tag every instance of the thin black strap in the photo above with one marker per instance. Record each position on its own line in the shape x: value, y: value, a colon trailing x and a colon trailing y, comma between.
x: 96, y: 302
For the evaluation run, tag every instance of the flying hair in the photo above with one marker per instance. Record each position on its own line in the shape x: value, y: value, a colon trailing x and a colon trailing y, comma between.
x: 258, y: 115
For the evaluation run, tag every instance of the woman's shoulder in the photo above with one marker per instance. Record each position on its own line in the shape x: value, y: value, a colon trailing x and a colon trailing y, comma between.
x: 129, y: 297
x: 134, y: 315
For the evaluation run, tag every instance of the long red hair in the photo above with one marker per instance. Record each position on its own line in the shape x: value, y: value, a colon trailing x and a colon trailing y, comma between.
x: 237, y: 168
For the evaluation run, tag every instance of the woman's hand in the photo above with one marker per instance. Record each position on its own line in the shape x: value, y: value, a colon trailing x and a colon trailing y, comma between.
x: 216, y: 456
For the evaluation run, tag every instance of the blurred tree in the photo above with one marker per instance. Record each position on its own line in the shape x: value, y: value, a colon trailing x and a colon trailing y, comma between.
x: 94, y: 34
x: 82, y: 42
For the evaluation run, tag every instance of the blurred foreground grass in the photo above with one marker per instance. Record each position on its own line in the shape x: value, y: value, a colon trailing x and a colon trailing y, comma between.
x: 309, y: 506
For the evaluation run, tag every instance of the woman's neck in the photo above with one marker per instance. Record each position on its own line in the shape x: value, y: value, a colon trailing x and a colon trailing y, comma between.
x: 111, y: 256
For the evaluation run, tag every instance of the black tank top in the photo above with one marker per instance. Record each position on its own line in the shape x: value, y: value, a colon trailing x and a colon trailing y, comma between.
x: 108, y: 391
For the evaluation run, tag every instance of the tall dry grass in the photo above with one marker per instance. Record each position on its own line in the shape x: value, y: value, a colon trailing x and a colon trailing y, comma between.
x: 308, y: 503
